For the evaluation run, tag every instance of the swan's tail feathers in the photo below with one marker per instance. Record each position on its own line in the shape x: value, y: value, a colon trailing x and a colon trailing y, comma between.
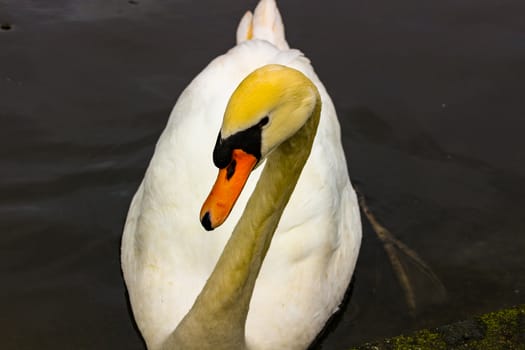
x: 245, y: 28
x: 265, y: 23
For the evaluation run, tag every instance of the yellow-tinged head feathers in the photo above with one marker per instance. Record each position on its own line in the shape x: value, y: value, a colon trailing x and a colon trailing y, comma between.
x: 283, y: 94
x: 268, y: 107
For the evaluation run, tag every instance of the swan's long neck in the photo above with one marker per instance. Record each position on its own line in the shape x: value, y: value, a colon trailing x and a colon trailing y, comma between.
x: 218, y: 317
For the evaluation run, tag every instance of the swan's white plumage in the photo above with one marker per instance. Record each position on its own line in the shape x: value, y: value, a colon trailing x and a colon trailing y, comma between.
x: 166, y: 254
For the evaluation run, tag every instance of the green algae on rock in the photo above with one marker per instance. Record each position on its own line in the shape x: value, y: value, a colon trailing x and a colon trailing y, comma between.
x: 504, y: 329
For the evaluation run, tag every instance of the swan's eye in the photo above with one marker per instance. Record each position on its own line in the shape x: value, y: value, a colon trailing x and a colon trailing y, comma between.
x: 248, y: 140
x: 263, y: 122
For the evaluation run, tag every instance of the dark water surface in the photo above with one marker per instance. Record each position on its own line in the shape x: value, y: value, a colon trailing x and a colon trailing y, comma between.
x: 432, y: 105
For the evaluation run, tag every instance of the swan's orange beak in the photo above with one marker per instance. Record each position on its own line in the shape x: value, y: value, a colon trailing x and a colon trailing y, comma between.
x: 227, y: 189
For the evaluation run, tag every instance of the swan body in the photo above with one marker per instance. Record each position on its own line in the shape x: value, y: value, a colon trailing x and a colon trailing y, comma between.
x: 167, y: 256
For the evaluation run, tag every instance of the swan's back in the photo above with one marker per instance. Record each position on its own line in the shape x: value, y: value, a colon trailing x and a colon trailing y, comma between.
x: 166, y: 254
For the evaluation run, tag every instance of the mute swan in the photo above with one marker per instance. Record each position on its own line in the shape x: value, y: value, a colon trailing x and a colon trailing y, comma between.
x: 193, y: 289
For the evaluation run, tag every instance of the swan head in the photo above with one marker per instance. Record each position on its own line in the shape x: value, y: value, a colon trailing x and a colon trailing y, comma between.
x: 268, y: 107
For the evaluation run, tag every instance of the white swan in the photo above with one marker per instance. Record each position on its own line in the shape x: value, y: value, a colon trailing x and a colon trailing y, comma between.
x: 271, y: 100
